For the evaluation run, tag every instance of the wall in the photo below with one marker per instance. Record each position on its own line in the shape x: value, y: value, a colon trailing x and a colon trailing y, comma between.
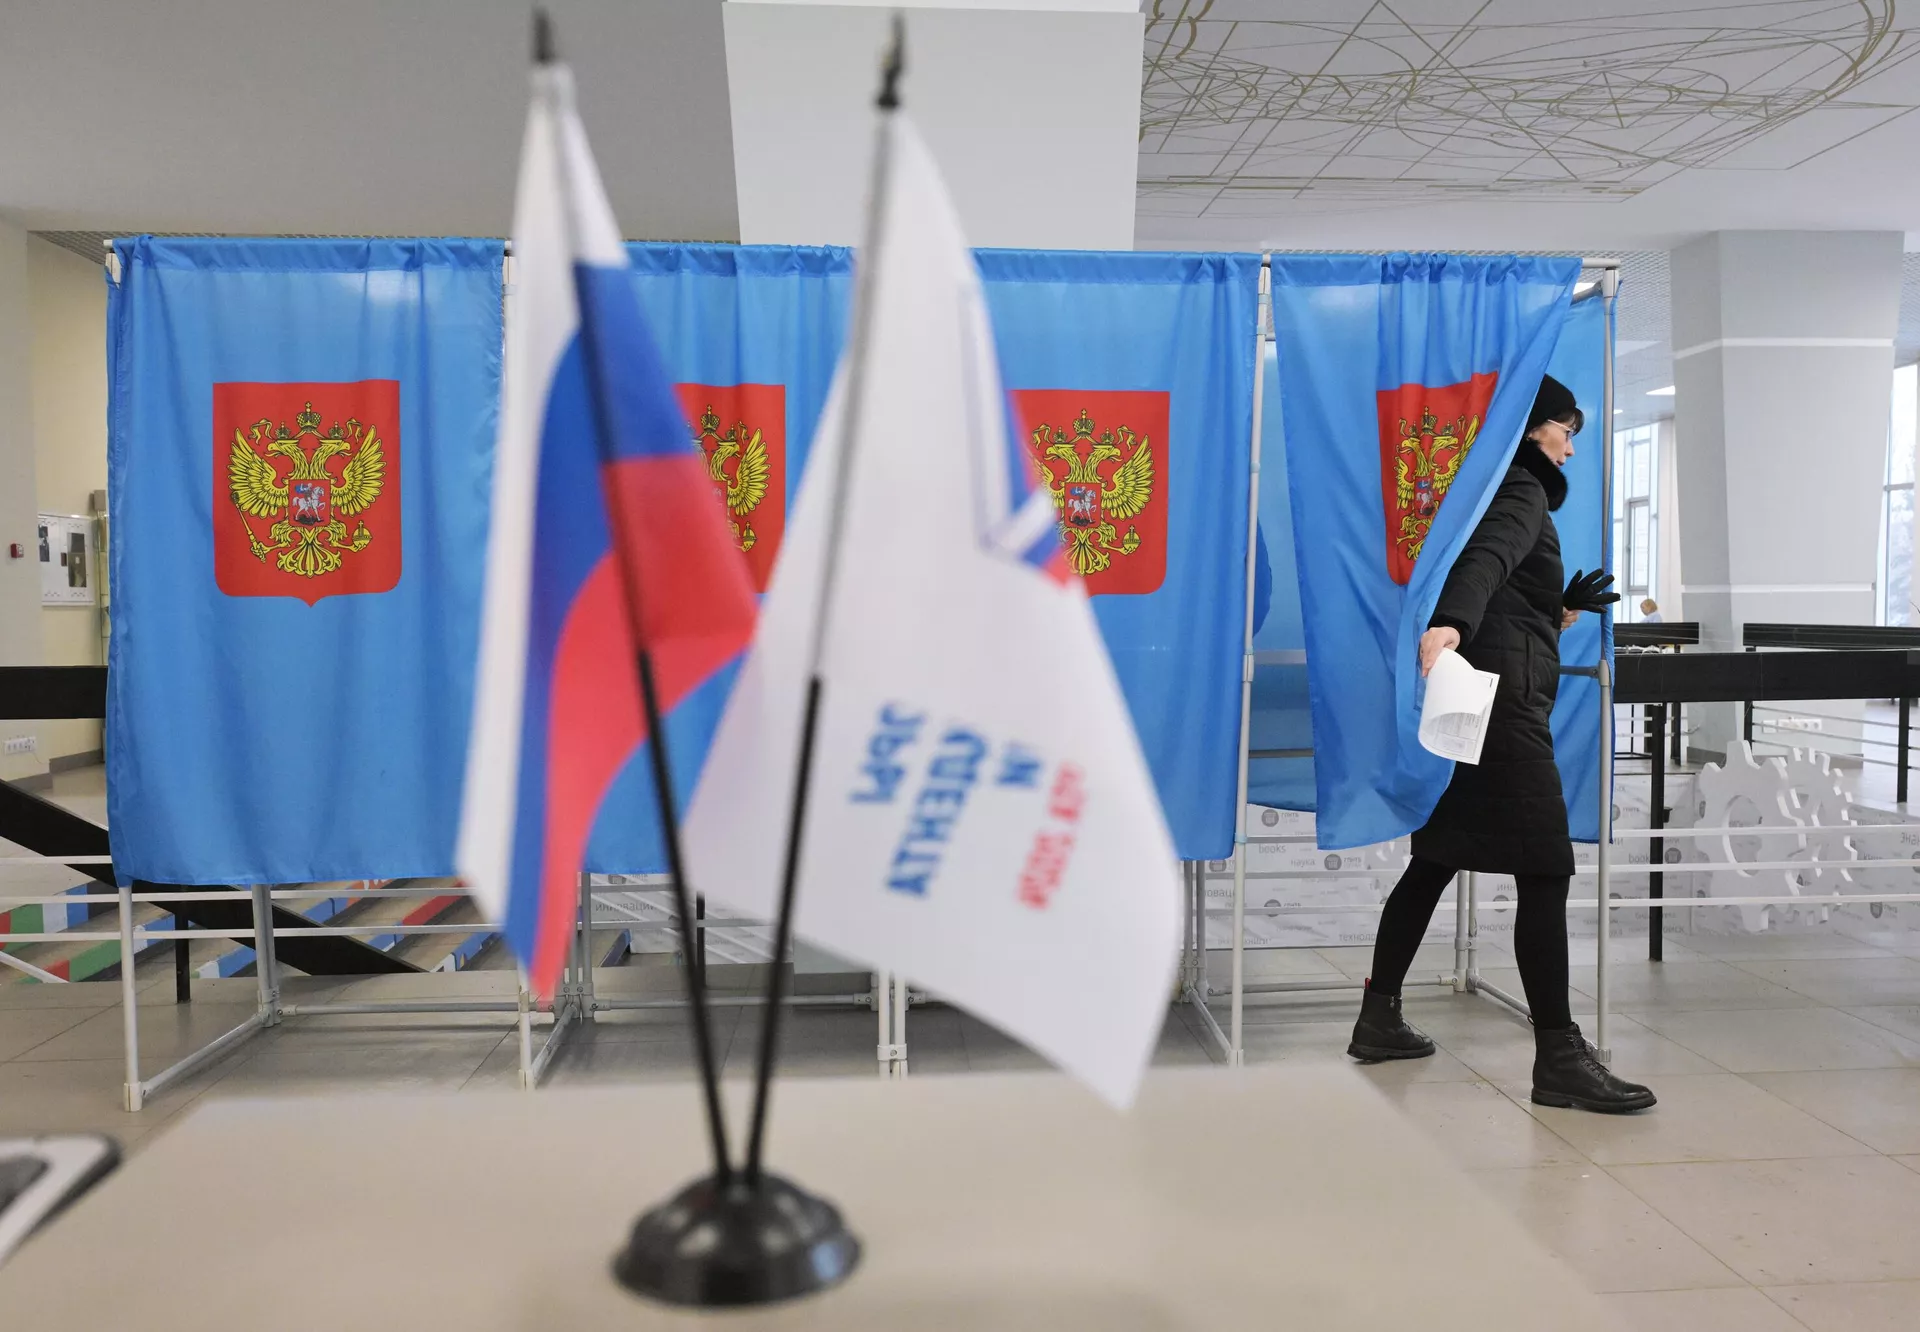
x: 1906, y: 411
x: 1033, y: 117
x: 68, y: 314
x: 1783, y: 373
x: 19, y: 578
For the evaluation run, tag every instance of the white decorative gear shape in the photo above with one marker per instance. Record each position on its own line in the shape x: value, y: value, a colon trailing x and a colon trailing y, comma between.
x: 1758, y: 794
x: 1828, y: 812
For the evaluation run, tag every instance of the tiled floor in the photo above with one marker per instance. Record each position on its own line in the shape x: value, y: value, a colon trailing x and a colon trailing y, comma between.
x: 1775, y: 1187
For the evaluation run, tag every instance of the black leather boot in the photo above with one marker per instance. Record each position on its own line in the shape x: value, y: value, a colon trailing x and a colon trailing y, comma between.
x: 1567, y: 1073
x: 1381, y: 1033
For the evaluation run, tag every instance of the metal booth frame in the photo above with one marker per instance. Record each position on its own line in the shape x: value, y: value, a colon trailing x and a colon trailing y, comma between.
x: 576, y: 1002
x: 1195, y: 984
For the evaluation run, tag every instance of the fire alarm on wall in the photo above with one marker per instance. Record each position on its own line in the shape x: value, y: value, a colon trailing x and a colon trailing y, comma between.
x: 16, y: 551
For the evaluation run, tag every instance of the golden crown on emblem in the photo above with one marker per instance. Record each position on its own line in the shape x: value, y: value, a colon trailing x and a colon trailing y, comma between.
x: 1429, y: 425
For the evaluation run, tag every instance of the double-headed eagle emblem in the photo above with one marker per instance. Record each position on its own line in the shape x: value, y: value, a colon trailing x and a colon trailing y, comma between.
x: 742, y: 488
x: 1091, y: 504
x: 309, y: 506
x: 1425, y: 463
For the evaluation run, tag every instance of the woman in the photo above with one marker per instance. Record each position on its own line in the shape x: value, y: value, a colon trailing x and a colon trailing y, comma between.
x: 1503, y: 608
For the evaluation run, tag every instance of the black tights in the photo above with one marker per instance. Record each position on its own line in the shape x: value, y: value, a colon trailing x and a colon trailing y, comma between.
x: 1539, y: 936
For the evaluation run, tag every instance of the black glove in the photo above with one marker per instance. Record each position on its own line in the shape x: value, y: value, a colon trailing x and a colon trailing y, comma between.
x: 1588, y: 591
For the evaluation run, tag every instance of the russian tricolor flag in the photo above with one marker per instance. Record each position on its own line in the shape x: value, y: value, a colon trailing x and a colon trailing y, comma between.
x: 607, y: 540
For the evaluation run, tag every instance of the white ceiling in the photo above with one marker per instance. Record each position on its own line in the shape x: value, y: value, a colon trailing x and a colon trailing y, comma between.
x: 1588, y: 125
x: 354, y: 116
x: 1581, y: 125
x: 1604, y: 127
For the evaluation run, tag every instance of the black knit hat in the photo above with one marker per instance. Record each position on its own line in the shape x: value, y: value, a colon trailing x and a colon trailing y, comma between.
x: 1554, y: 403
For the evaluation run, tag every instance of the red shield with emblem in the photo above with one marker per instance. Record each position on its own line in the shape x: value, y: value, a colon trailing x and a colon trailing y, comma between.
x: 1107, y: 461
x: 1425, y: 434
x: 742, y: 433
x: 306, y: 488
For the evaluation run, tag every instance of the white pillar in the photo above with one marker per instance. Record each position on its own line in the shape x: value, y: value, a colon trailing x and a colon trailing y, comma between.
x: 1032, y: 110
x: 1672, y: 573
x: 1906, y: 414
x: 1783, y: 365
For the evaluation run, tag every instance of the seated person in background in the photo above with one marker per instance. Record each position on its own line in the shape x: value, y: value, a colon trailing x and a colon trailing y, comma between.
x: 1650, y: 612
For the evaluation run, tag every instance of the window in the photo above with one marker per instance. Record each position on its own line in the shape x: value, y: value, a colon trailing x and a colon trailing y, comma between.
x: 1636, y: 517
x: 1896, y: 503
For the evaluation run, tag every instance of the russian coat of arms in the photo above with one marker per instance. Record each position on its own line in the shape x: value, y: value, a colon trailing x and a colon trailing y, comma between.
x: 1104, y: 484
x: 1425, y: 435
x: 737, y: 462
x: 305, y: 489
x: 309, y: 508
x: 741, y: 430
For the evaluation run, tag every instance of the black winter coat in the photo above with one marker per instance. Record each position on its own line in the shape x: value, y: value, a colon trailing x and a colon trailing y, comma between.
x: 1507, y: 814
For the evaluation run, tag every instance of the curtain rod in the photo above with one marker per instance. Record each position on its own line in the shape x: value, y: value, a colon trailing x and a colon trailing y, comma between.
x: 1266, y: 257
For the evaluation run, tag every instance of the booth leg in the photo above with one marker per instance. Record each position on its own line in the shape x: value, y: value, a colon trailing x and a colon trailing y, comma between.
x: 1468, y: 884
x: 587, y: 1006
x: 133, y: 1097
x: 883, y: 1013
x: 527, y: 1080
x: 265, y: 974
x: 1185, y: 979
x: 1459, y: 934
x: 900, y: 1026
x: 1237, y: 1052
x: 1199, y: 914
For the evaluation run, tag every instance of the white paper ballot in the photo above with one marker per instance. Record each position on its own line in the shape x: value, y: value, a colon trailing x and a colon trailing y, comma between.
x: 1453, y: 717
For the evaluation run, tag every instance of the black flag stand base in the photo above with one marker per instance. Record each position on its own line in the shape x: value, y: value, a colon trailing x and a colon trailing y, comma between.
x: 739, y: 1242
x: 745, y: 1237
x: 735, y: 1237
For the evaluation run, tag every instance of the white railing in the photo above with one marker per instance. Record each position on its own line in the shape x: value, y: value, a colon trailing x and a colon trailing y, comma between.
x: 573, y: 1006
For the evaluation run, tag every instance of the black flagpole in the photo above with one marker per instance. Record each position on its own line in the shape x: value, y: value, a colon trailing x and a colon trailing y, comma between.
x: 888, y: 102
x: 543, y: 54
x: 725, y: 1239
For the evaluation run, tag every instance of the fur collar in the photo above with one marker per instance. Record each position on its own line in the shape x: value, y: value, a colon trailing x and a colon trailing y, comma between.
x: 1541, y: 468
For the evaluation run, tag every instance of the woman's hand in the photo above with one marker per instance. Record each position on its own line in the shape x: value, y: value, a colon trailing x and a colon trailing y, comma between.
x: 1588, y: 591
x: 1436, y: 640
x: 1569, y: 618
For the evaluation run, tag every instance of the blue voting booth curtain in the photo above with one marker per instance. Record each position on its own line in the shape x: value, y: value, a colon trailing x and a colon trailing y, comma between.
x: 1405, y: 382
x: 300, y: 436
x: 1160, y: 344
x: 1579, y: 362
x: 750, y: 333
x: 1281, y: 716
x: 268, y: 647
x: 1155, y: 351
